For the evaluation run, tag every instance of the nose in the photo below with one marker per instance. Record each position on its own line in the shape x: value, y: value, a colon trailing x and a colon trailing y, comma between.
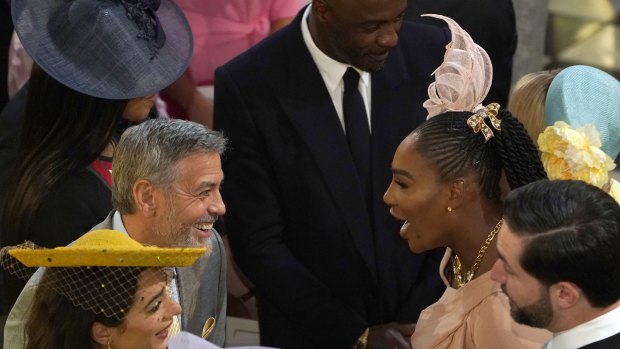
x: 172, y: 307
x: 216, y: 205
x: 498, y: 273
x: 387, y: 196
x: 388, y: 37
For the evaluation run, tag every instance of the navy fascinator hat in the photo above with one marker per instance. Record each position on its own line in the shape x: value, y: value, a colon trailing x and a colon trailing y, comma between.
x: 112, y: 49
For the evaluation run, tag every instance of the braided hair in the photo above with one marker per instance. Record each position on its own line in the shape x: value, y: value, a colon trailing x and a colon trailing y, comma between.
x: 454, y: 148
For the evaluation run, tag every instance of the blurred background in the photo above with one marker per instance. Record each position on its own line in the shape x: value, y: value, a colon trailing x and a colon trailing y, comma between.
x: 583, y: 32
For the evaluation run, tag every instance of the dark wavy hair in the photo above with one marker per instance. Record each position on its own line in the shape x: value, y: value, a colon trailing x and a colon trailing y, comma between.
x: 573, y: 234
x: 449, y: 144
x: 63, y: 130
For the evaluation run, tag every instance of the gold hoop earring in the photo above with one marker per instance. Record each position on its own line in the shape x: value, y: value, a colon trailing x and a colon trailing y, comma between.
x: 449, y: 209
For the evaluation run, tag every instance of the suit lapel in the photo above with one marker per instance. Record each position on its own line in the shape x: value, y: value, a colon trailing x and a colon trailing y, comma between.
x: 186, y: 281
x: 107, y: 222
x: 308, y: 105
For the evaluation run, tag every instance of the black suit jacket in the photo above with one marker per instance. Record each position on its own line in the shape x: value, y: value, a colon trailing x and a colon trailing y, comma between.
x: 323, y: 269
x: 612, y: 342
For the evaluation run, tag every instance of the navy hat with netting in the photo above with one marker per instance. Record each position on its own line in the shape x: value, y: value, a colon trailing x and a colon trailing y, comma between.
x: 113, y: 49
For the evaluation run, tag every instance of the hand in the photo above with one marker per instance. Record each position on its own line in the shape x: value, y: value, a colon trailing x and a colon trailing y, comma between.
x: 390, y: 336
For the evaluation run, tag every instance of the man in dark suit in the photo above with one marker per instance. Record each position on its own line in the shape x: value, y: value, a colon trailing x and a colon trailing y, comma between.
x: 307, y: 225
x: 559, y: 249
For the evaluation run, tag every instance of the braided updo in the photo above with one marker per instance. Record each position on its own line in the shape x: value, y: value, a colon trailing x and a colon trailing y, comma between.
x: 448, y: 143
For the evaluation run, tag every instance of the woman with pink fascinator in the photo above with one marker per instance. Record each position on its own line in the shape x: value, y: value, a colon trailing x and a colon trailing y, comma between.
x: 449, y: 179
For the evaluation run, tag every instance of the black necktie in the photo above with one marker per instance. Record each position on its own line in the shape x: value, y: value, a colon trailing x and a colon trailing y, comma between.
x: 356, y: 126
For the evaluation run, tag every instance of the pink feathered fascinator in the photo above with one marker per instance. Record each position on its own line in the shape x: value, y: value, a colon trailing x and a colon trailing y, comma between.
x: 463, y: 80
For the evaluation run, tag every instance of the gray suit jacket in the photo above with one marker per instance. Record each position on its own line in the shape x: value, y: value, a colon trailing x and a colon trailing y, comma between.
x: 202, y: 294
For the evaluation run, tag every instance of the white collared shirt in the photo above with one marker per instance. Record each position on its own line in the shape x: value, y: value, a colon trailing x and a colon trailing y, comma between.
x: 589, y: 332
x: 117, y: 224
x: 332, y: 72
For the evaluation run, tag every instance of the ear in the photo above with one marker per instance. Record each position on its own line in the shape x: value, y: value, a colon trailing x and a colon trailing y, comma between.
x: 566, y: 294
x: 101, y: 334
x: 320, y: 9
x: 144, y: 197
x: 456, y: 192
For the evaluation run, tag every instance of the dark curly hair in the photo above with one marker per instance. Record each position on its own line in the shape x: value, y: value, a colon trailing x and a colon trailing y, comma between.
x: 454, y: 148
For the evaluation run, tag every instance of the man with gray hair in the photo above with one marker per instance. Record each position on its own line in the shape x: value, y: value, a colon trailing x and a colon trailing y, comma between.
x: 166, y: 192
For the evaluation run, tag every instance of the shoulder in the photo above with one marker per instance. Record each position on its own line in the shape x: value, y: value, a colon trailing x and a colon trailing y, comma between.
x: 71, y: 208
x: 424, y: 32
x: 492, y: 326
x: 421, y: 40
x: 607, y: 343
x: 85, y: 180
x: 16, y: 321
x: 80, y: 187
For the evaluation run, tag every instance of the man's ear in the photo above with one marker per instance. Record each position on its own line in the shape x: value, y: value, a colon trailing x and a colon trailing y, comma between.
x: 321, y: 10
x: 144, y: 197
x: 101, y: 334
x: 566, y: 294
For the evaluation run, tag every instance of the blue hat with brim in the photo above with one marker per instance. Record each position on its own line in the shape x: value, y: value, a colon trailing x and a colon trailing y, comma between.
x: 581, y: 95
x: 113, y: 49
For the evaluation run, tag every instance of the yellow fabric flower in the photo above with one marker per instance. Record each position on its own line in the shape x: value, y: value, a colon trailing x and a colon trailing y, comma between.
x: 568, y: 153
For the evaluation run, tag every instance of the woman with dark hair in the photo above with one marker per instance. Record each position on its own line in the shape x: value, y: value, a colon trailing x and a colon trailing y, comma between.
x: 67, y: 138
x: 449, y: 177
x: 86, y: 299
x: 90, y: 81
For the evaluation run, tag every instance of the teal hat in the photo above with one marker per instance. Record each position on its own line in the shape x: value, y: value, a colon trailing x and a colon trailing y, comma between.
x: 581, y: 95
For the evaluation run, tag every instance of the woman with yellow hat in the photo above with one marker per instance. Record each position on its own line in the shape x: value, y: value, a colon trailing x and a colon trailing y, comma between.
x: 98, y: 65
x: 104, y: 291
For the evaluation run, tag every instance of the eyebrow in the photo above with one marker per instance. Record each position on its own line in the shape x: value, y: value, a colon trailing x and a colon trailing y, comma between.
x: 209, y: 184
x: 400, y: 172
x: 159, y: 294
x: 383, y: 20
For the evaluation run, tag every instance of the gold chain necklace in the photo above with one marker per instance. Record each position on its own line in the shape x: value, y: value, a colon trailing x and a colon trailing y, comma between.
x: 462, y: 279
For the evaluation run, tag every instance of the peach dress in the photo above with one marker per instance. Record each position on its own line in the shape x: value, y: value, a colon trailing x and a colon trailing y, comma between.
x: 477, y: 315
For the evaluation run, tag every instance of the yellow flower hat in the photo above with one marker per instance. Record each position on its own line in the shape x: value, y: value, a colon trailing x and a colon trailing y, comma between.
x: 106, y: 248
x: 568, y: 153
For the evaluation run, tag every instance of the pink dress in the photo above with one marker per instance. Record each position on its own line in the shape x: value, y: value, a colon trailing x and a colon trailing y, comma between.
x: 225, y: 28
x: 477, y: 315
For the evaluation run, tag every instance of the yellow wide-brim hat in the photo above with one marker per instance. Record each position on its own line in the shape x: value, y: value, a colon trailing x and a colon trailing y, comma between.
x: 107, y: 248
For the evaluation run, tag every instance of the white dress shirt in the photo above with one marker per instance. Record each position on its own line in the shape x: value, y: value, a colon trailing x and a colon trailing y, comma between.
x: 592, y: 331
x: 332, y: 72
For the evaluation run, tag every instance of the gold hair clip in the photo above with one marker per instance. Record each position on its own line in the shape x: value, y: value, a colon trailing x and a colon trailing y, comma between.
x: 476, y: 121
